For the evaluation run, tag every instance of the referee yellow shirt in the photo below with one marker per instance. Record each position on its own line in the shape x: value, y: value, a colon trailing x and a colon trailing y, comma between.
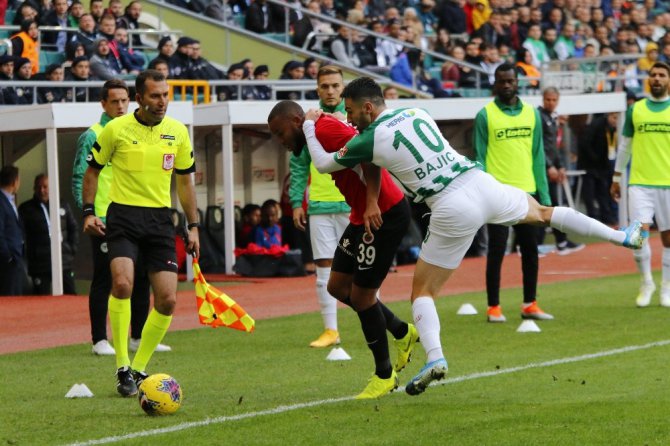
x: 144, y: 158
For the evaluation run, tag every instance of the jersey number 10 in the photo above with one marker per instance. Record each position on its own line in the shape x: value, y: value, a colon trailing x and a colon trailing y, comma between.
x: 419, y: 125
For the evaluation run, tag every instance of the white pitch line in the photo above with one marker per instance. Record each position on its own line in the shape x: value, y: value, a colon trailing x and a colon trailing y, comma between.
x: 292, y: 407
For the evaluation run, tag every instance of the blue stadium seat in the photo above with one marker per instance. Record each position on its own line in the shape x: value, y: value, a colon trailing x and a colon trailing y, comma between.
x: 49, y: 57
x: 279, y: 37
x: 9, y: 16
x: 239, y: 20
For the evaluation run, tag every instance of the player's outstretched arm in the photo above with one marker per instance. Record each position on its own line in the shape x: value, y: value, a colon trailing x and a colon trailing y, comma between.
x: 372, y: 217
x: 623, y: 156
x: 322, y: 160
x: 186, y: 193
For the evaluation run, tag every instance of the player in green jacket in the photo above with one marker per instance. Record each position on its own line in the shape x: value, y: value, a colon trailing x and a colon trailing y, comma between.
x: 328, y: 212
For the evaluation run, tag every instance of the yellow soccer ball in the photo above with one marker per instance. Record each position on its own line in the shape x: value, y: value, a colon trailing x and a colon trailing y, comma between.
x: 160, y: 394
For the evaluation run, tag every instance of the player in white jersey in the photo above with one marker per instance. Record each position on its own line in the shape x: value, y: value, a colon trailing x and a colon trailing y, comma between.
x: 462, y: 198
x: 646, y: 138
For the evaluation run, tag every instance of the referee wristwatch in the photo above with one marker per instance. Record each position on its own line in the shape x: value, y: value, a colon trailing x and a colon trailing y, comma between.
x: 193, y: 225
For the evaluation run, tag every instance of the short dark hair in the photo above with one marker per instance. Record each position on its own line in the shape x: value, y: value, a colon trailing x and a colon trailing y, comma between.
x: 157, y: 61
x: 39, y: 178
x: 141, y: 80
x: 505, y: 67
x: 661, y: 65
x: 285, y: 109
x: 8, y: 174
x: 364, y: 88
x: 112, y: 84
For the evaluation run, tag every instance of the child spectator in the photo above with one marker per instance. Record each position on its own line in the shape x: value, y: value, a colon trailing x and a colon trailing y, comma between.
x: 268, y: 232
x: 251, y: 217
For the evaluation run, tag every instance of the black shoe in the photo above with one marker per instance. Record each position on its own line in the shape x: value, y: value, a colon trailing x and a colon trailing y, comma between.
x: 568, y: 247
x: 125, y: 383
x: 138, y: 377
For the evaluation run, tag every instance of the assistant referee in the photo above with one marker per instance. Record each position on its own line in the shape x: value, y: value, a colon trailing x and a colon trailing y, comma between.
x: 145, y: 147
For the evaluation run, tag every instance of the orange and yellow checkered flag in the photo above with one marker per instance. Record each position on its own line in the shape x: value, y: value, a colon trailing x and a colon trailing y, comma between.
x: 217, y: 309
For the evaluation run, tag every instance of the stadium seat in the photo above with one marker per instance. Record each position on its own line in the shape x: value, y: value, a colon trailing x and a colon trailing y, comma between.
x: 279, y: 37
x: 239, y: 20
x: 49, y: 57
x: 9, y: 16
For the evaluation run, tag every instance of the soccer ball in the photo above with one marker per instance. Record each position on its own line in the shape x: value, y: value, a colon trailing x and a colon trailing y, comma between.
x: 160, y: 394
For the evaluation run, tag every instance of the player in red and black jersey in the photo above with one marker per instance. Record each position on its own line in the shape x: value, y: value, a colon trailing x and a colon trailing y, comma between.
x: 362, y: 259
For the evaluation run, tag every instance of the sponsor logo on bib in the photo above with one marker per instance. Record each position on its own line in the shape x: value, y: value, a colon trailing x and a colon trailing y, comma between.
x: 653, y: 127
x: 512, y: 133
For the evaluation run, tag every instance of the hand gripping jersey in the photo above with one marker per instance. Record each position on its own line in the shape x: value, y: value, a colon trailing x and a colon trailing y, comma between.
x: 409, y: 144
x: 333, y: 135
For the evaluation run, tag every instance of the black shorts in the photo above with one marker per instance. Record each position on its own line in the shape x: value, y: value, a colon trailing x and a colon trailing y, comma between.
x: 369, y: 260
x: 134, y: 229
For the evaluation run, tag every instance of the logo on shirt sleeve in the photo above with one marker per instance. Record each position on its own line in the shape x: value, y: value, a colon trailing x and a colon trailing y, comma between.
x: 342, y: 152
x: 168, y: 161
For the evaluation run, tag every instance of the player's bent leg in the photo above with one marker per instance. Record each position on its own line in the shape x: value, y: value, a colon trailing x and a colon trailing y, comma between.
x: 164, y: 284
x: 373, y: 324
x: 428, y: 280
x: 571, y: 221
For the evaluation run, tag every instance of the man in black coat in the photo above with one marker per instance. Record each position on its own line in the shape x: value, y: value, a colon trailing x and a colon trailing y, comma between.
x: 452, y: 17
x: 264, y: 18
x: 34, y: 215
x: 56, y: 40
x: 12, y: 272
x: 597, y: 151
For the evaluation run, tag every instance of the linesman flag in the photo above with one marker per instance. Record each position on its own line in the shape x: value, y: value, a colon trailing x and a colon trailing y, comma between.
x: 216, y: 308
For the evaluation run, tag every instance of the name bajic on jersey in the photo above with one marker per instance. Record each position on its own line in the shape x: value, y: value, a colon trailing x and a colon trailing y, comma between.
x: 443, y: 160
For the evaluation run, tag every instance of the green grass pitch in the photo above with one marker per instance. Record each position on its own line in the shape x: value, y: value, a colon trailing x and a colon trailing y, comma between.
x: 269, y: 388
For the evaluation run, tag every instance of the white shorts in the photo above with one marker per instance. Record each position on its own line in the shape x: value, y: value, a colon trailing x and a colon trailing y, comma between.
x: 472, y: 200
x: 325, y: 230
x: 645, y: 203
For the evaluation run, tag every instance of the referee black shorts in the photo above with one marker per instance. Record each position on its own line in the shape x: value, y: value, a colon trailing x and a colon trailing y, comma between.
x: 134, y: 229
x: 369, y: 259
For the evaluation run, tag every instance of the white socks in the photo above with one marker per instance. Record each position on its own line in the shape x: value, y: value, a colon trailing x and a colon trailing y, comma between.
x: 428, y: 325
x: 642, y: 258
x: 328, y: 303
x: 572, y: 222
x: 666, y: 266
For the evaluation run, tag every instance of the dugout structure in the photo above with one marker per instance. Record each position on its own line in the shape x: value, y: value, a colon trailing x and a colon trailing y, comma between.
x: 42, y: 138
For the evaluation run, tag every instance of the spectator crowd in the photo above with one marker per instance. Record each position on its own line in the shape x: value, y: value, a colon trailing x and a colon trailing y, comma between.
x: 476, y: 35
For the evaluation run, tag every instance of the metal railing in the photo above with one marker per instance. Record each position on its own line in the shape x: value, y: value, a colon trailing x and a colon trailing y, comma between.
x: 293, y: 49
x: 131, y: 32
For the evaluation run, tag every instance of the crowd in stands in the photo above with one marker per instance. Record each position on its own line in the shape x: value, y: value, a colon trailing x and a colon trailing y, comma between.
x: 482, y: 33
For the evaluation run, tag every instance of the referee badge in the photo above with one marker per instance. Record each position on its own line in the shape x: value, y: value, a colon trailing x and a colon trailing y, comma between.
x: 168, y: 161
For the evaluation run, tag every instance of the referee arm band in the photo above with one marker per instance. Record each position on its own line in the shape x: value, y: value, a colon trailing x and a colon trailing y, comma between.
x: 88, y: 209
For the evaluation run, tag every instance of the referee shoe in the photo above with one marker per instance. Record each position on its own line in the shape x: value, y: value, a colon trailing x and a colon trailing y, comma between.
x: 125, y: 384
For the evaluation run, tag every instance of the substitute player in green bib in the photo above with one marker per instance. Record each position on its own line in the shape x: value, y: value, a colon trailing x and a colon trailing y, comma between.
x: 462, y: 198
x: 145, y: 148
x: 328, y: 212
x: 509, y: 144
x: 646, y: 144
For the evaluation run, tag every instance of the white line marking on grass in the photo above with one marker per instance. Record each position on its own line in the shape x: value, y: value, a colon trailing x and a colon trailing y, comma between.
x: 292, y: 407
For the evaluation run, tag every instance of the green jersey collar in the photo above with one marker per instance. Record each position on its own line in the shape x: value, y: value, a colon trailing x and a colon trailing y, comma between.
x: 505, y: 107
x: 338, y: 108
